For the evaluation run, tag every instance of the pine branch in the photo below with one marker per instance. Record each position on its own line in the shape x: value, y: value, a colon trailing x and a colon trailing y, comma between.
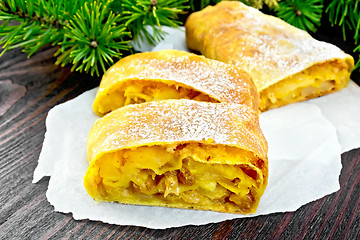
x: 196, y: 5
x: 93, y: 39
x: 346, y: 14
x: 305, y: 15
x: 137, y: 14
x: 40, y: 24
x: 88, y: 32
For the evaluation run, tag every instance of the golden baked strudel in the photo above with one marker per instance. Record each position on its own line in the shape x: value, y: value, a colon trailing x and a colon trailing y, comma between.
x: 286, y: 63
x: 179, y: 153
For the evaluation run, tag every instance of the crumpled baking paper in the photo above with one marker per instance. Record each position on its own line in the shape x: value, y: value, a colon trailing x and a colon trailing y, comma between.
x: 305, y: 145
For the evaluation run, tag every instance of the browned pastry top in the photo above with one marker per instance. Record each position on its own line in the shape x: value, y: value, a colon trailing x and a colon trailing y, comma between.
x: 177, y: 122
x: 220, y: 81
x: 268, y: 48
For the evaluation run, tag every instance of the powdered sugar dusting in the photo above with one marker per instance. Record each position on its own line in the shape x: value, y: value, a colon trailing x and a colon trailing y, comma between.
x: 212, y: 78
x: 220, y: 81
x: 178, y: 121
x: 266, y: 47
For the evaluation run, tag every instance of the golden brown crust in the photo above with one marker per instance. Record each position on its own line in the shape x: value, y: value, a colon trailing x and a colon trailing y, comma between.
x: 177, y: 122
x: 268, y: 48
x: 221, y: 82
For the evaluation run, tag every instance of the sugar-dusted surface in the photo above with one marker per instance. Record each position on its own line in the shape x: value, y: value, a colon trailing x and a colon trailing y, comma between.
x: 266, y: 47
x: 220, y: 81
x: 177, y: 121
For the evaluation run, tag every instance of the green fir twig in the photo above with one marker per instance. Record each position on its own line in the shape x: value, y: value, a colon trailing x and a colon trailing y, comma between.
x: 346, y: 14
x: 138, y: 14
x: 87, y: 32
x: 40, y: 23
x: 305, y: 15
x: 92, y: 39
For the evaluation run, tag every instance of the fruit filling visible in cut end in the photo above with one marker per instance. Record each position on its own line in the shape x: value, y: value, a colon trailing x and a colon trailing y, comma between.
x: 313, y: 82
x: 179, y: 176
x: 136, y: 91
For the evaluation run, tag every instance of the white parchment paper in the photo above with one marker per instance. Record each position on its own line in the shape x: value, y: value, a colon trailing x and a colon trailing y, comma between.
x: 305, y: 143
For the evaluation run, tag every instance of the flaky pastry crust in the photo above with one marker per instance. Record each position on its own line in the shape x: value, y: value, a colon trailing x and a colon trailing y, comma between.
x: 179, y: 153
x: 193, y: 76
x: 286, y: 63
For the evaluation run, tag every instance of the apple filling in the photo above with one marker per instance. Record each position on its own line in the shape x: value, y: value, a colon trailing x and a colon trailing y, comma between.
x: 312, y: 82
x: 136, y: 91
x: 181, y: 176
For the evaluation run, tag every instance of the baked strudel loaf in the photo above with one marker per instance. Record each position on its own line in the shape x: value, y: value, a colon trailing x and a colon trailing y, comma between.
x: 286, y: 63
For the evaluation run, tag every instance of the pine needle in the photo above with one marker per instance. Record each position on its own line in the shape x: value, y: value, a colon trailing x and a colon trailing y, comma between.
x: 305, y: 15
x: 138, y: 13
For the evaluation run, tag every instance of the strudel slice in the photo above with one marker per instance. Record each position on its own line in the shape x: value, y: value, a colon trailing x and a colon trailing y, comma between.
x: 179, y: 154
x: 172, y: 74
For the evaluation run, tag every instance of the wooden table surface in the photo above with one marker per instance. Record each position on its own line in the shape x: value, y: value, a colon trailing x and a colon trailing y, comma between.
x: 29, y: 88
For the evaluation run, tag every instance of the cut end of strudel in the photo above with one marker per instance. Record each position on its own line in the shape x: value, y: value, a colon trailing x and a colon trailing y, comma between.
x: 172, y: 74
x: 286, y: 63
x: 180, y: 154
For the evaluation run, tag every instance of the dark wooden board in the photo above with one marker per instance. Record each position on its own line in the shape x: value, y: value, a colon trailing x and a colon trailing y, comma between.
x: 29, y: 88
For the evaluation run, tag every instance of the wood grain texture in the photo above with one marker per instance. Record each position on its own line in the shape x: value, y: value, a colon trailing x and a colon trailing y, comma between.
x: 35, y: 85
x: 10, y: 93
